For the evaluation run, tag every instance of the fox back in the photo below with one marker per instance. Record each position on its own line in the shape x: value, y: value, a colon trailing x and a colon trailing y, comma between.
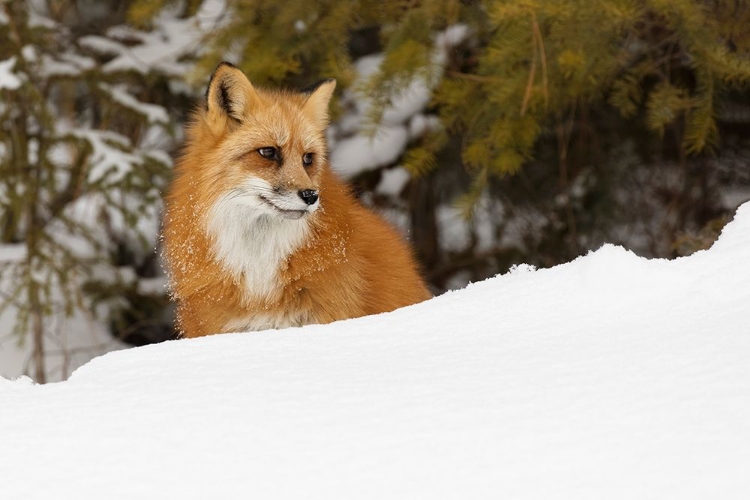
x: 260, y: 233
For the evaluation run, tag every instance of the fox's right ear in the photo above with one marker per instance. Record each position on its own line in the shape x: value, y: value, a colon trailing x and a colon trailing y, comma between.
x: 229, y: 96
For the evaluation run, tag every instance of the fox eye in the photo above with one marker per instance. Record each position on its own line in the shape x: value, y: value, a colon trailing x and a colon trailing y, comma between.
x: 270, y: 153
x: 307, y: 159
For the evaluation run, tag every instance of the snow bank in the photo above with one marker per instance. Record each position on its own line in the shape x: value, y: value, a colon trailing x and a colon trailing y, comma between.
x: 608, y: 377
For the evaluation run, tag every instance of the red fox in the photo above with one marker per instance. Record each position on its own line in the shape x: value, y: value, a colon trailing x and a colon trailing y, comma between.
x: 260, y: 233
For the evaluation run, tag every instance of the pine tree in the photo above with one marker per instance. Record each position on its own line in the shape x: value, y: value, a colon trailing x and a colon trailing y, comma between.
x: 77, y: 177
x: 531, y: 83
x: 542, y: 62
x: 537, y: 89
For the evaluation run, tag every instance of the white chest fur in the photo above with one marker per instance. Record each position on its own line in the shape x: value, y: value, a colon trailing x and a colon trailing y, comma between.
x: 253, y: 244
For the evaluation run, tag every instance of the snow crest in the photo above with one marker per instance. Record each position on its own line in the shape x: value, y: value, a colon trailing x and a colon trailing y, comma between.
x: 611, y: 376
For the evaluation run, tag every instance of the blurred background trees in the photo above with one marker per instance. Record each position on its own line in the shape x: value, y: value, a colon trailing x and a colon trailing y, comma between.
x: 492, y: 132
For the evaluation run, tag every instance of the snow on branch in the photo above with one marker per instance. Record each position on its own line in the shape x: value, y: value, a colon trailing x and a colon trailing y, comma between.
x: 8, y: 79
x: 153, y: 112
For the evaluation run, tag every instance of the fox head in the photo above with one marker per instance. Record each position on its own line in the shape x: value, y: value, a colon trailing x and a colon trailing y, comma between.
x: 266, y: 148
x: 252, y: 177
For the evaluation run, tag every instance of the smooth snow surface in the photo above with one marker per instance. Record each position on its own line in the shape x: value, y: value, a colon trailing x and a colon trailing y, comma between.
x: 608, y: 377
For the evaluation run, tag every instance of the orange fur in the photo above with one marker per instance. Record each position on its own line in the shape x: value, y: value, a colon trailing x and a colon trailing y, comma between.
x: 349, y: 263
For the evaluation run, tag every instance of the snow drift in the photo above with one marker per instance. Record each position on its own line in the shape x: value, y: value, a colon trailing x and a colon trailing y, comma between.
x: 608, y: 377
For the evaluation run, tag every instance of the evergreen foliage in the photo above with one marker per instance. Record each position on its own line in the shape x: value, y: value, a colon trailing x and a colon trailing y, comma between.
x: 530, y: 83
x: 543, y: 62
x: 77, y: 177
x: 531, y: 66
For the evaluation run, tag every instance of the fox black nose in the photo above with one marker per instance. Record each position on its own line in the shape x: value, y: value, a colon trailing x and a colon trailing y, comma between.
x: 309, y: 196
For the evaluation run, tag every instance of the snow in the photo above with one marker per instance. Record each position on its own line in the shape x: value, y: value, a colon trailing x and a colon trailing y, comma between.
x: 487, y: 213
x: 455, y: 234
x: 166, y: 47
x: 419, y: 124
x: 37, y: 19
x: 159, y: 156
x: 70, y: 342
x: 153, y: 286
x: 393, y: 181
x: 357, y: 144
x: 611, y: 376
x: 360, y: 152
x: 447, y: 40
x: 109, y: 157
x: 153, y: 112
x: 101, y: 44
x: 407, y: 103
x: 8, y: 80
x: 12, y: 252
x: 67, y: 64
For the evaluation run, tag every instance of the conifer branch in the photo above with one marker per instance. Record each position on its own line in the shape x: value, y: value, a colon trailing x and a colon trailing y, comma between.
x: 532, y: 73
x: 543, y: 59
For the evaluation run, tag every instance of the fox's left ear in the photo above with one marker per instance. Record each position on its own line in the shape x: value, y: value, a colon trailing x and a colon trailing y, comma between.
x: 319, y: 96
x: 229, y: 96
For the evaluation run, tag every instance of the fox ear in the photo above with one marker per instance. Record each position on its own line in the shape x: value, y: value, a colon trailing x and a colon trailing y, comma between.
x: 319, y: 95
x: 229, y: 95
